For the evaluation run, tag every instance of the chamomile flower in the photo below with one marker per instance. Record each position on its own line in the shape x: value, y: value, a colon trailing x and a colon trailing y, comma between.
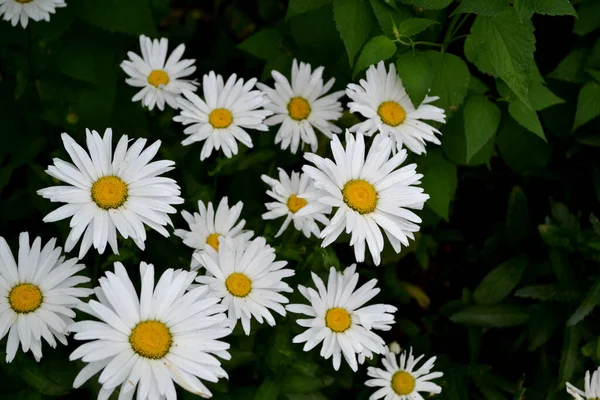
x: 248, y: 279
x: 37, y: 295
x: 221, y: 118
x: 403, y: 381
x: 591, y: 386
x: 107, y: 192
x: 208, y: 228
x: 289, y: 192
x: 382, y: 99
x: 22, y: 11
x: 370, y: 194
x: 301, y: 106
x: 338, y: 319
x: 166, y: 334
x: 160, y: 78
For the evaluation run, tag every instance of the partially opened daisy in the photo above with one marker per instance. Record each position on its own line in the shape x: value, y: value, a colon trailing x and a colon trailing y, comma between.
x: 403, y: 381
x: 591, y: 386
x: 382, y: 99
x: 22, y: 11
x: 107, y: 192
x: 160, y: 78
x: 168, y: 334
x: 37, y: 295
x: 248, y: 279
x: 339, y: 319
x: 222, y: 117
x: 370, y: 194
x: 301, y: 106
x: 208, y: 228
x: 289, y: 191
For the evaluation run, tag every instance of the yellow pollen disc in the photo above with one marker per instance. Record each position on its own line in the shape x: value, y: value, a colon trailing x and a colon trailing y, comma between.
x: 109, y: 192
x: 238, y: 284
x: 151, y: 339
x: 295, y: 203
x: 298, y: 108
x: 337, y: 319
x: 158, y: 77
x: 213, y: 241
x: 391, y: 113
x: 220, y: 118
x: 360, y: 196
x: 403, y: 383
x: 25, y: 298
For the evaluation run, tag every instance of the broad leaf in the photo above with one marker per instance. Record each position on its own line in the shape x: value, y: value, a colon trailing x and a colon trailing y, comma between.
x: 429, y: 4
x: 592, y: 299
x: 547, y: 7
x: 414, y: 26
x: 416, y: 72
x: 133, y: 16
x: 588, y: 104
x: 527, y: 117
x: 354, y: 20
x: 571, y: 67
x: 589, y: 18
x: 388, y: 16
x: 491, y: 316
x: 296, y: 7
x: 481, y: 118
x: 377, y: 49
x: 487, y: 8
x: 439, y: 182
x: 450, y: 80
x: 500, y: 281
x: 523, y: 153
x: 264, y: 44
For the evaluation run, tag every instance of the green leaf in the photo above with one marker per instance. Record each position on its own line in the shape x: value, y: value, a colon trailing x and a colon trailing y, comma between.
x: 548, y: 293
x: 543, y: 324
x: 297, y: 7
x: 322, y: 45
x: 264, y: 44
x: 377, y: 49
x: 416, y: 72
x: 569, y: 355
x: 589, y: 18
x: 481, y: 118
x: 429, y: 4
x: 500, y: 281
x: 487, y: 8
x: 592, y: 299
x: 132, y: 17
x: 353, y: 20
x: 268, y: 390
x: 503, y: 46
x: 414, y: 26
x: 588, y: 104
x: 33, y: 374
x: 491, y: 316
x: 439, y: 182
x: 522, y: 152
x: 541, y: 97
x: 594, y: 74
x: 450, y: 80
x: 454, y: 143
x: 388, y: 16
x: 296, y: 383
x: 570, y: 69
x: 527, y: 118
x: 546, y: 7
x: 518, y: 223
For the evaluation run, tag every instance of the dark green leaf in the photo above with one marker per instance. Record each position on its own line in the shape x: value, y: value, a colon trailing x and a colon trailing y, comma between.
x: 541, y: 97
x: 588, y: 104
x: 491, y: 316
x: 527, y: 117
x: 133, y: 16
x: 354, y: 20
x: 429, y: 4
x: 481, y: 118
x: 544, y: 323
x: 439, y: 182
x: 267, y: 391
x: 500, y: 281
x: 589, y: 18
x: 33, y: 374
x: 454, y: 143
x: 517, y: 216
x: 547, y: 7
x: 570, y: 69
x: 592, y: 299
x: 487, y: 8
x: 569, y: 355
x: 264, y: 44
x: 450, y: 80
x: 416, y: 73
x: 548, y: 293
x: 296, y: 7
x: 594, y: 74
x: 377, y: 49
x: 295, y: 383
x: 414, y: 26
x: 523, y: 152
x: 388, y: 16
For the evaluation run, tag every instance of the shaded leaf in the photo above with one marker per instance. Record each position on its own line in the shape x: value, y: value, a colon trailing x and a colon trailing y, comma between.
x: 592, y: 299
x: 588, y: 104
x: 500, y: 281
x: 416, y: 73
x: 481, y: 118
x: 264, y: 44
x: 487, y: 8
x: 439, y: 182
x: 354, y: 20
x: 414, y: 26
x: 450, y: 80
x: 296, y: 7
x: 491, y: 316
x: 377, y: 49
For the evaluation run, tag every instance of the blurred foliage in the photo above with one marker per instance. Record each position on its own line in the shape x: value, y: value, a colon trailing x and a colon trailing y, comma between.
x: 501, y: 284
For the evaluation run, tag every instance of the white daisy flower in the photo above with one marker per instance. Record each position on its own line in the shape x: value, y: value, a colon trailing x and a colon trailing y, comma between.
x: 301, y: 106
x: 248, y: 279
x: 166, y: 334
x: 289, y: 191
x: 220, y: 119
x: 339, y: 320
x: 160, y: 78
x: 403, y: 381
x: 208, y: 228
x: 37, y: 295
x: 370, y: 194
x: 22, y: 11
x: 109, y: 192
x: 592, y: 387
x: 382, y: 99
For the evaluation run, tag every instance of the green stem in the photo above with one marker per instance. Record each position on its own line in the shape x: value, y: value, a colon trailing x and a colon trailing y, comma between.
x: 428, y: 44
x: 458, y: 38
x: 449, y: 32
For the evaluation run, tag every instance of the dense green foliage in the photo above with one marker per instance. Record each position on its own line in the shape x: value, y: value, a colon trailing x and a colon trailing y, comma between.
x: 501, y: 283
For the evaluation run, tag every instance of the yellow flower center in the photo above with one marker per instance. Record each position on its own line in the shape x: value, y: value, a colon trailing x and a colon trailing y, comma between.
x: 360, y: 196
x: 238, y: 284
x: 151, y: 339
x: 298, y: 108
x: 109, y: 192
x: 295, y: 203
x: 337, y: 319
x: 220, y: 118
x: 391, y: 113
x: 403, y: 383
x: 25, y: 298
x: 158, y: 77
x: 213, y: 241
